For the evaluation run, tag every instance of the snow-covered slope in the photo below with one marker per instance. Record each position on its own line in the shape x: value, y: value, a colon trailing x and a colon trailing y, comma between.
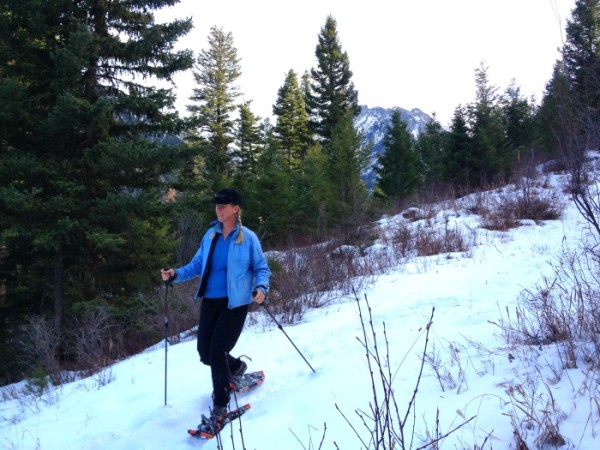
x: 295, y: 408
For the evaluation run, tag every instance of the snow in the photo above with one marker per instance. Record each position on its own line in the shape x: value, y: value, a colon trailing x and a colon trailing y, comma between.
x: 469, y: 295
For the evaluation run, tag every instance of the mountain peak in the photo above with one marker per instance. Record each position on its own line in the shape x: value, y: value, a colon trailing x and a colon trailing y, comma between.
x: 373, y: 123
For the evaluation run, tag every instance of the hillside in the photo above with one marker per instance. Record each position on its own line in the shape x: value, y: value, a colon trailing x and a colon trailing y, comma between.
x: 472, y: 381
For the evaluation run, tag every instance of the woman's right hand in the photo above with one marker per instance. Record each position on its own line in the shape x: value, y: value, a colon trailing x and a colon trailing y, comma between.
x: 167, y: 274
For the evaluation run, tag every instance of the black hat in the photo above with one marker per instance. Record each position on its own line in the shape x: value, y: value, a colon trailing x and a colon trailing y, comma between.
x: 227, y: 196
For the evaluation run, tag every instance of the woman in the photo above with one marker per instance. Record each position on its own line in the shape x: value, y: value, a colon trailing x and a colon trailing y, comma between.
x: 232, y: 267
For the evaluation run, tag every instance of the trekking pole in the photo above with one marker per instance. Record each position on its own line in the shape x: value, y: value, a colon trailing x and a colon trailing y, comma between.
x: 166, y: 321
x: 286, y: 335
x: 237, y: 405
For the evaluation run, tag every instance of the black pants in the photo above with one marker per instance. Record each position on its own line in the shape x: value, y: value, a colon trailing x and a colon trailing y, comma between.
x: 218, y: 331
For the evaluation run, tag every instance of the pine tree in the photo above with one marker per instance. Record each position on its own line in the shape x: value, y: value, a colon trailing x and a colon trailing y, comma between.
x: 332, y: 103
x: 332, y: 94
x: 429, y: 146
x: 249, y: 142
x: 345, y: 161
x: 291, y: 132
x: 309, y: 195
x: 519, y: 119
x: 581, y: 53
x: 551, y: 124
x: 398, y: 169
x: 494, y: 157
x: 578, y: 107
x: 305, y: 85
x: 216, y: 72
x: 81, y: 211
x: 269, y: 196
x: 459, y: 160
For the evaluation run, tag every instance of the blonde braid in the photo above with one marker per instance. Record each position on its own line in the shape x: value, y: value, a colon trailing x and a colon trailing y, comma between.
x: 240, y: 237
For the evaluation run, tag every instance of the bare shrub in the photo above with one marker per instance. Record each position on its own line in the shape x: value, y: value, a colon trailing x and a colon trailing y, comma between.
x: 379, y: 259
x: 583, y: 185
x: 309, y: 278
x: 149, y: 325
x: 386, y: 426
x: 476, y: 203
x: 563, y: 309
x: 528, y: 201
x: 533, y: 411
x: 39, y: 344
x: 442, y: 373
x: 553, y: 166
x: 535, y: 202
x: 402, y: 240
x: 429, y: 242
x: 311, y: 445
x: 183, y: 310
x: 312, y: 276
x: 90, y: 337
x: 415, y: 214
x: 423, y: 239
x: 498, y: 219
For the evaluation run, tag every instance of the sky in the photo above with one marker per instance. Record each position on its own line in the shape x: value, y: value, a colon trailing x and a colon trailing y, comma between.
x: 295, y: 408
x: 403, y: 53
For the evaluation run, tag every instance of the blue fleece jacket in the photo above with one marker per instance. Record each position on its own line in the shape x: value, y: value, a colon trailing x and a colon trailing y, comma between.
x: 247, y: 267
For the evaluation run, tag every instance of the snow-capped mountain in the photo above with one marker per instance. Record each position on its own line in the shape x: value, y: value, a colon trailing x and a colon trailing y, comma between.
x: 373, y: 123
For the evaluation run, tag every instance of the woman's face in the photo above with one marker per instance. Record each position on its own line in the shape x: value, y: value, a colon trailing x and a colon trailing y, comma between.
x: 226, y: 213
